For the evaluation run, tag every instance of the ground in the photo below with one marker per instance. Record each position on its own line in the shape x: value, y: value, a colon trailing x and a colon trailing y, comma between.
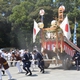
x: 52, y: 73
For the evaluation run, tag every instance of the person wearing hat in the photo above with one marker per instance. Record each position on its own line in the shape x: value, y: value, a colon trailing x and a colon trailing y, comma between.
x: 4, y: 64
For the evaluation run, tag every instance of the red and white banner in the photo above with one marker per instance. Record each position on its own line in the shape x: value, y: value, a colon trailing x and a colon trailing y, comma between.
x: 50, y: 45
x: 36, y: 29
x: 66, y: 28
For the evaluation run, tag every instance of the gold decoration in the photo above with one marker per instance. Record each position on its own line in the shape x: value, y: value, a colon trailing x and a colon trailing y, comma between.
x: 40, y: 25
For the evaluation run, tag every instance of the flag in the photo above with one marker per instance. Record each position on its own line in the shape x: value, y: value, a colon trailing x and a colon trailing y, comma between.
x: 74, y: 36
x: 66, y: 28
x: 36, y: 29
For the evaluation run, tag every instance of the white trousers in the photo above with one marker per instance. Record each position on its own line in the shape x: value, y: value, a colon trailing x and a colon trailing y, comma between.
x: 0, y: 75
x: 8, y: 73
x: 19, y: 67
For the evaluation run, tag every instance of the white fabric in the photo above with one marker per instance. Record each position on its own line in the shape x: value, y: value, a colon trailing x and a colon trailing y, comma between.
x: 33, y: 59
x: 66, y: 28
x: 2, y: 55
x: 36, y: 29
x: 9, y: 56
x: 18, y: 66
x: 8, y: 73
x: 0, y: 75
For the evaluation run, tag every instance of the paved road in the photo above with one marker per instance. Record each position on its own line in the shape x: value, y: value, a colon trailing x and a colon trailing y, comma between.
x: 53, y: 73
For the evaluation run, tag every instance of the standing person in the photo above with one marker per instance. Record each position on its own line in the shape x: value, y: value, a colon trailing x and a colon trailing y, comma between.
x: 17, y: 58
x: 76, y: 58
x: 35, y: 48
x: 33, y: 63
x: 39, y: 57
x: 4, y: 64
x: 26, y: 63
x: 2, y: 55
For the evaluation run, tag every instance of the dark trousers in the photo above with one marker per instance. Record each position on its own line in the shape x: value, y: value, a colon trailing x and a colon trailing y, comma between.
x: 77, y: 64
x: 26, y: 67
x: 41, y: 65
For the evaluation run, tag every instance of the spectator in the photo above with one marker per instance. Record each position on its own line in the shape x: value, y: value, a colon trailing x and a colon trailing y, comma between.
x: 76, y: 58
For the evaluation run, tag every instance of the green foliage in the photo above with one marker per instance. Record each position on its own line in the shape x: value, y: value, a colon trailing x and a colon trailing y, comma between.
x: 17, y: 17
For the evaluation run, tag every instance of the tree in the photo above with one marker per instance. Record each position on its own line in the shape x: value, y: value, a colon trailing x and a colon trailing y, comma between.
x: 21, y: 22
x: 16, y: 19
x: 5, y: 26
x: 22, y: 18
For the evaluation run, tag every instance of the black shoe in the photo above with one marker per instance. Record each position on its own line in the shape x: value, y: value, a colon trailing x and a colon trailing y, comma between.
x: 26, y: 73
x: 3, y: 72
x: 30, y: 74
x: 43, y: 71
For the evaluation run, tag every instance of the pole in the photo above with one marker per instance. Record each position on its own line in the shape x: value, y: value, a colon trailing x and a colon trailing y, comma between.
x: 56, y: 41
x: 60, y: 19
x: 41, y: 28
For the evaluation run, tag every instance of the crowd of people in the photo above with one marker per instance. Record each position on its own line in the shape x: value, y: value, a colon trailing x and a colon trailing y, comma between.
x: 27, y: 59
x: 24, y: 57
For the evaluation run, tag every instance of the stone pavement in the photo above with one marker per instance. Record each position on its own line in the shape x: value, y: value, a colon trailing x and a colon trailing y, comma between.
x: 52, y: 73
